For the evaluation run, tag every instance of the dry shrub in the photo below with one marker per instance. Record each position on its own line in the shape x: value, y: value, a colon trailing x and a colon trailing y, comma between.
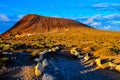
x: 28, y: 73
x: 4, y: 61
x: 106, y: 51
x: 88, y: 49
x: 34, y: 54
x: 106, y: 44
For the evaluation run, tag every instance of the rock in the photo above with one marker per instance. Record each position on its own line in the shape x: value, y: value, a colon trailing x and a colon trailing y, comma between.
x: 44, y: 52
x: 106, y: 65
x: 49, y: 50
x: 112, y: 66
x: 74, y: 52
x: 36, y: 60
x: 44, y: 63
x: 39, y: 69
x: 98, y: 62
x: 117, y: 68
x: 41, y: 57
x: 47, y: 77
x: 86, y: 57
x: 57, y: 48
x: 109, y: 65
x: 80, y: 56
x: 53, y: 49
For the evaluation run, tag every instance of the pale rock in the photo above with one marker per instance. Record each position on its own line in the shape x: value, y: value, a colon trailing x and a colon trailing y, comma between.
x: 44, y: 63
x: 39, y: 69
x: 36, y: 60
x: 47, y: 77
x: 86, y: 57
x: 98, y: 62
x: 41, y: 57
x: 74, y: 52
x: 117, y: 68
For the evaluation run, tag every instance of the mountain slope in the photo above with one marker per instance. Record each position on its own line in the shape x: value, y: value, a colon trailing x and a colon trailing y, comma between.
x: 38, y: 24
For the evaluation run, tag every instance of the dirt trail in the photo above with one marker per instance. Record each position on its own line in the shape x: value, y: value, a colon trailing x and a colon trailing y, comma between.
x: 73, y: 69
x: 60, y: 67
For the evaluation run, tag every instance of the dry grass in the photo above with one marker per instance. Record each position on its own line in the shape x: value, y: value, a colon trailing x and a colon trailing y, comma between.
x: 105, y: 52
x: 105, y: 43
x: 34, y: 54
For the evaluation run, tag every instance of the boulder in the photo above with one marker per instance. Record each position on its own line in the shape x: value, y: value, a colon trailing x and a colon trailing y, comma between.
x: 47, y: 77
x: 106, y: 65
x: 36, y: 59
x: 44, y: 63
x: 74, y: 52
x: 98, y: 62
x: 39, y: 69
x: 80, y: 56
x: 86, y: 57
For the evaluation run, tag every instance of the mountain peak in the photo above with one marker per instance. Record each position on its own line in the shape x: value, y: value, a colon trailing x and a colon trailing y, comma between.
x: 33, y: 23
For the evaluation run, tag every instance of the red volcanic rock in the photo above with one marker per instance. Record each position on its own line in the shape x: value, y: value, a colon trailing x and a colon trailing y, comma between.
x: 39, y: 24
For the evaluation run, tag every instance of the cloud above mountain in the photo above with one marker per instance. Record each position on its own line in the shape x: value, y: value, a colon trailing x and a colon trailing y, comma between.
x: 107, y: 6
x: 108, y: 22
x: 4, y: 17
x: 99, y: 21
x: 99, y: 14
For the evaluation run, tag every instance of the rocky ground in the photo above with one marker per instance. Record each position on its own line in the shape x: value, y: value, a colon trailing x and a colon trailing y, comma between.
x: 61, y: 67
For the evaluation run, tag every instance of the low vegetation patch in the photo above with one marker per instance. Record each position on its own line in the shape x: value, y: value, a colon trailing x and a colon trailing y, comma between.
x: 34, y: 54
x: 4, y: 61
x: 106, y: 51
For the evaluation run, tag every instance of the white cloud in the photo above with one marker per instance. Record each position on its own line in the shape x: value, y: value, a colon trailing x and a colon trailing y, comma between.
x: 99, y: 17
x: 101, y: 5
x: 113, y: 16
x: 107, y: 27
x: 4, y: 17
x: 20, y: 16
x: 57, y: 16
x: 106, y: 22
x: 107, y: 6
x: 94, y: 24
x: 116, y: 22
x: 91, y: 19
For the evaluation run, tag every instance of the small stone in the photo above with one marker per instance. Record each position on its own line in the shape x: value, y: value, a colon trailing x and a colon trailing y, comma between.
x: 36, y: 60
x: 86, y: 57
x: 44, y: 63
x: 47, y: 77
x: 117, y: 68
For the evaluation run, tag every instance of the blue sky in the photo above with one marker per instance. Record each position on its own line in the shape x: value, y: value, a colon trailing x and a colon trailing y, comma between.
x: 101, y: 14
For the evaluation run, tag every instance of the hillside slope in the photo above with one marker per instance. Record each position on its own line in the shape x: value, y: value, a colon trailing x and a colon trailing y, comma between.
x: 38, y: 24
